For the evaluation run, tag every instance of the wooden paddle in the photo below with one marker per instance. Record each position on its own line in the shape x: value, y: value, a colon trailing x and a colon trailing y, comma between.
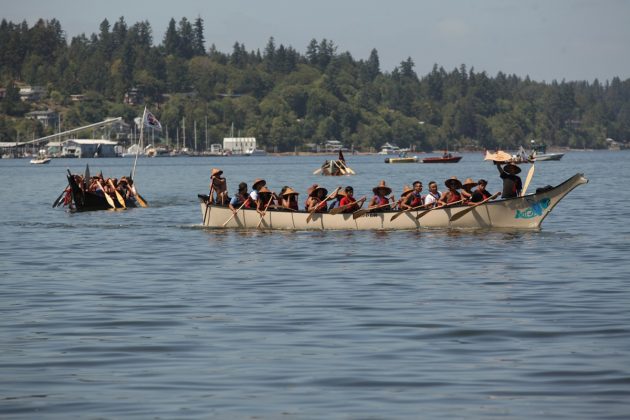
x: 438, y: 207
x: 363, y: 212
x: 205, y: 214
x: 348, y: 169
x: 345, y: 207
x: 530, y: 175
x: 58, y: 200
x: 236, y: 212
x: 319, y: 205
x: 317, y: 171
x: 461, y: 214
x: 119, y: 197
x: 139, y: 198
x: 394, y: 217
x: 262, y: 216
x: 110, y: 201
x: 341, y: 169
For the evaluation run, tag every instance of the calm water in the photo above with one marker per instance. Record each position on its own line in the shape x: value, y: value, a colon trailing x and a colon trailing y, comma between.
x: 144, y: 314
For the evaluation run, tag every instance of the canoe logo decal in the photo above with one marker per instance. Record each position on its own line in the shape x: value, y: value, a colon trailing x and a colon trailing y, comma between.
x: 535, y: 210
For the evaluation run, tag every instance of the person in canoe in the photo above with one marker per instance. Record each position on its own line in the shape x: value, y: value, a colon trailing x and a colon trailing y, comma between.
x: 336, y: 202
x: 451, y: 195
x: 316, y: 199
x: 218, y: 185
x: 349, y: 201
x: 466, y: 190
x: 256, y: 186
x: 512, y: 184
x: 431, y: 199
x: 380, y: 201
x: 266, y: 200
x: 239, y: 198
x: 411, y: 198
x: 480, y: 192
x: 288, y: 199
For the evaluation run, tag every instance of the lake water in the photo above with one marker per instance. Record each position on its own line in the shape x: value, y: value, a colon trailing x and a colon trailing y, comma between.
x: 144, y: 314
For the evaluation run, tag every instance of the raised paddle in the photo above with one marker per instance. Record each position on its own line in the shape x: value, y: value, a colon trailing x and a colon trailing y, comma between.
x: 347, y: 168
x: 319, y: 205
x: 237, y: 210
x: 110, y: 201
x: 438, y: 207
x: 262, y: 216
x: 363, y: 212
x: 345, y: 207
x: 341, y: 169
x: 119, y: 197
x: 530, y: 175
x: 459, y: 215
x: 58, y: 200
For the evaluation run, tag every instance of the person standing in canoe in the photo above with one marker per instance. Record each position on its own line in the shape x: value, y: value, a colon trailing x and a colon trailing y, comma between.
x: 316, y: 199
x: 512, y: 184
x: 452, y: 194
x: 380, y: 199
x: 239, y: 198
x: 218, y: 185
x: 431, y: 199
x: 348, y: 199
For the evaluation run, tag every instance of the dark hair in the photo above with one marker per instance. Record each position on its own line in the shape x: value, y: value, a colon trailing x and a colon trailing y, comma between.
x: 242, y: 186
x: 482, y: 181
x: 349, y: 188
x: 416, y: 182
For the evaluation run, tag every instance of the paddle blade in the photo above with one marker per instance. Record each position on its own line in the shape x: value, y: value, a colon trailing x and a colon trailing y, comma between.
x: 530, y: 175
x: 141, y: 201
x: 359, y: 213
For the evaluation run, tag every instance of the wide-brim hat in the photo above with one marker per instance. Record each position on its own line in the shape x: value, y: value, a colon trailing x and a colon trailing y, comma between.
x: 510, y: 168
x: 264, y: 190
x: 381, y: 186
x: 469, y: 181
x: 215, y: 172
x: 453, y: 182
x: 314, y: 192
x: 258, y: 183
x: 290, y: 191
x: 406, y: 190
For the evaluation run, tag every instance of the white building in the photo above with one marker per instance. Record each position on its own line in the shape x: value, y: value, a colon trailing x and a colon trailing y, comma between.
x: 239, y: 145
x: 88, y: 148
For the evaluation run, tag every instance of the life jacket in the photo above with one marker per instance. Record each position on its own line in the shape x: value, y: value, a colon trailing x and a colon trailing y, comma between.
x: 453, y: 196
x: 417, y: 199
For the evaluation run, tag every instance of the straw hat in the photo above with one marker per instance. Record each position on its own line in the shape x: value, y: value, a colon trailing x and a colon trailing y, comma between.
x: 314, y: 190
x: 215, y: 172
x: 453, y: 182
x: 381, y: 186
x: 258, y: 183
x: 511, y: 169
x: 406, y: 190
x: 290, y: 191
x: 470, y: 182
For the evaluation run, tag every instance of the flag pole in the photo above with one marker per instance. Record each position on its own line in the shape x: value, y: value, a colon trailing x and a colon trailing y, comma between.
x: 140, y: 140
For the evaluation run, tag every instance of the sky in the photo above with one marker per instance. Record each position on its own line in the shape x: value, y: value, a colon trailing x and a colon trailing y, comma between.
x: 546, y: 40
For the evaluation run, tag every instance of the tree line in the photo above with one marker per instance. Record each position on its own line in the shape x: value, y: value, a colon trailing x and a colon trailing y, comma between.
x: 287, y: 99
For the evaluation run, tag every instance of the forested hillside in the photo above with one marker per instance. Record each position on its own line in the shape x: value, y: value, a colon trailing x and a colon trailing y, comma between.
x: 286, y: 98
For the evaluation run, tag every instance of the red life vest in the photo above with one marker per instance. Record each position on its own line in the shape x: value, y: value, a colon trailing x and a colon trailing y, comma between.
x: 453, y: 196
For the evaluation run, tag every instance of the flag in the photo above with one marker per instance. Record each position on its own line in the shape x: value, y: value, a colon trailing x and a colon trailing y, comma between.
x: 151, y: 121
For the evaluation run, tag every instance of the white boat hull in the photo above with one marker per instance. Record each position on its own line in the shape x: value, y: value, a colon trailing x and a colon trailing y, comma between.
x: 526, y: 212
x: 548, y: 156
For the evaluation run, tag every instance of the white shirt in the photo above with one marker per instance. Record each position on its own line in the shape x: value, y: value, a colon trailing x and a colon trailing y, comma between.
x: 253, y: 195
x: 430, y: 199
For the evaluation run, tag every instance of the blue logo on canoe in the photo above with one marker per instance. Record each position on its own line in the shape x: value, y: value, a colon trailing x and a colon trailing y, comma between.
x: 535, y: 210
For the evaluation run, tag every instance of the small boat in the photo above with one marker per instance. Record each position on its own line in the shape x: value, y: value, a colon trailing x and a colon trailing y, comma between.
x: 337, y: 167
x: 546, y: 156
x: 40, y: 161
x: 526, y: 212
x: 448, y: 158
x: 81, y: 200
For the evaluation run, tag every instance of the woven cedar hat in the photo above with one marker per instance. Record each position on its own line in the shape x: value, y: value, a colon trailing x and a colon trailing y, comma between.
x: 290, y: 191
x: 314, y: 190
x: 381, y: 186
x: 406, y: 190
x: 511, y: 169
x: 470, y: 182
x: 215, y: 172
x: 453, y: 182
x: 264, y: 190
x: 258, y: 183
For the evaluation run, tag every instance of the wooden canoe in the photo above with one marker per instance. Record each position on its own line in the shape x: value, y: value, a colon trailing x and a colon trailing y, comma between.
x: 527, y: 212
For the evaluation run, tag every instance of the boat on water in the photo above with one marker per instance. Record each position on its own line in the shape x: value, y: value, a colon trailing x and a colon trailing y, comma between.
x: 337, y: 167
x: 546, y: 156
x: 526, y: 213
x: 40, y: 161
x: 405, y: 159
x: 446, y: 158
x: 79, y: 199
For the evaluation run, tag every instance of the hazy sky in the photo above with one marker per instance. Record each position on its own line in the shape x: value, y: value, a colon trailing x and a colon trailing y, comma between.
x: 545, y: 39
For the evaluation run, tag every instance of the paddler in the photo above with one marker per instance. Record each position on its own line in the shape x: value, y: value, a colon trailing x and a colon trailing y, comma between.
x: 316, y: 199
x: 452, y: 194
x: 349, y: 200
x: 288, y: 198
x: 512, y: 184
x: 239, y: 198
x: 380, y: 199
x: 218, y: 185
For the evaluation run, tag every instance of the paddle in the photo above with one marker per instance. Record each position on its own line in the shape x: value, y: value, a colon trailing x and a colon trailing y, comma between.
x: 459, y: 215
x: 438, y: 207
x: 320, y: 204
x: 119, y: 197
x: 262, y: 216
x: 234, y: 214
x: 348, y: 169
x: 345, y: 207
x: 110, y: 201
x: 341, y: 169
x: 394, y: 217
x: 58, y: 200
x: 205, y: 215
x: 139, y: 198
x: 363, y: 212
x: 316, y: 171
x: 530, y: 175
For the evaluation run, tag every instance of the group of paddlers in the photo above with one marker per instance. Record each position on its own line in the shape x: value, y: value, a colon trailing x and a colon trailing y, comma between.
x: 342, y: 200
x: 120, y: 190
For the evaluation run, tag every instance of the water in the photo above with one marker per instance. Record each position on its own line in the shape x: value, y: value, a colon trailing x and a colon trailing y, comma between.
x: 144, y: 314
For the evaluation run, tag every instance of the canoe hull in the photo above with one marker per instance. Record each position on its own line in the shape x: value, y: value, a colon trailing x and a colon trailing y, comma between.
x: 526, y: 212
x: 452, y: 159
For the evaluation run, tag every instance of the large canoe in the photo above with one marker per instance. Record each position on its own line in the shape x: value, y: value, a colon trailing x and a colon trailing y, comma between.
x: 527, y: 212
